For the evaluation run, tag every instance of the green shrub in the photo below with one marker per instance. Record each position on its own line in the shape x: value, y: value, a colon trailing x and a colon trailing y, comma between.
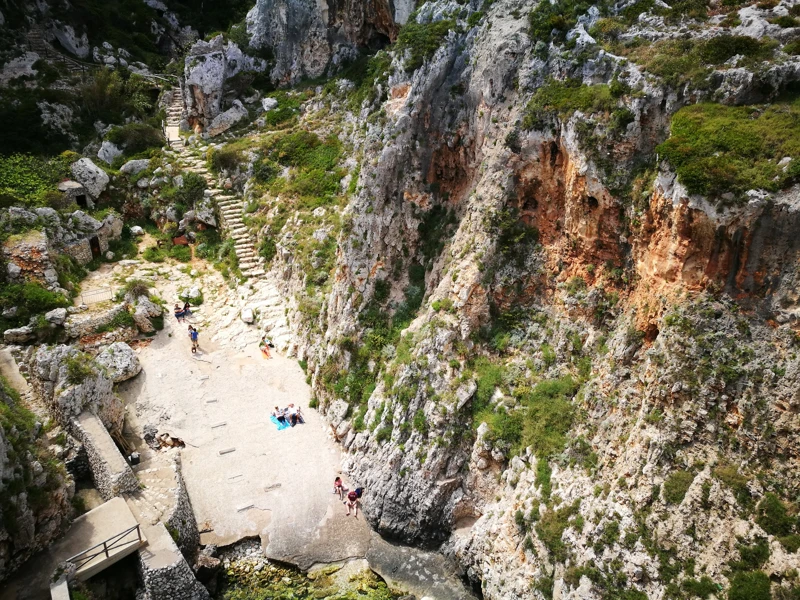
x: 752, y: 556
x: 134, y: 138
x: 754, y: 585
x: 551, y: 527
x: 28, y: 179
x: 181, y: 253
x: 676, y: 485
x: 109, y: 97
x: 225, y: 159
x: 80, y: 367
x: 548, y: 416
x: 154, y: 254
x: 792, y: 48
x: 192, y: 191
x: 717, y: 149
x: 701, y: 588
x: 730, y: 476
x: 120, y: 320
x: 543, y: 475
x: 287, y: 110
x: 785, y: 21
x: 772, y: 516
x: 717, y: 50
x: 421, y: 40
x: 562, y: 98
x: 30, y: 299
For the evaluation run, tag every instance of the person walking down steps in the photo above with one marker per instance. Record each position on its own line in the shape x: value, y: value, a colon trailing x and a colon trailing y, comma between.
x: 193, y: 336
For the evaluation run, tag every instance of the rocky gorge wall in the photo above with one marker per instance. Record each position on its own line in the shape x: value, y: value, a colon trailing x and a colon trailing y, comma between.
x: 627, y: 343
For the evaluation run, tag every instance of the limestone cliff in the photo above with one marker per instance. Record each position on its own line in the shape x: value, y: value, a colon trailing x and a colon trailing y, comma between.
x: 307, y: 37
x: 35, y: 489
x: 539, y: 344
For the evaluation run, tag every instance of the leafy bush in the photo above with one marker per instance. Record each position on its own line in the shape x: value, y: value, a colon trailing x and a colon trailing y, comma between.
x: 225, y: 159
x: 772, y: 516
x: 154, y: 254
x: 562, y: 98
x: 548, y: 416
x: 80, y: 367
x: 27, y: 179
x: 181, y: 253
x: 718, y: 149
x: 136, y: 137
x: 421, y: 40
x: 730, y: 476
x: 686, y: 60
x: 30, y: 298
x: 676, y: 485
x: 551, y: 527
x: 286, y: 112
x: 122, y: 319
x: 109, y: 97
x: 754, y: 585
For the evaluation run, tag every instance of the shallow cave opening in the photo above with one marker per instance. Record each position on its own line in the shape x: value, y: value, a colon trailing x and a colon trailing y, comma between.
x: 592, y: 202
x: 651, y: 332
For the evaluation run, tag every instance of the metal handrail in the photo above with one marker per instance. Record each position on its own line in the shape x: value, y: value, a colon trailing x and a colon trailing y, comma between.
x: 111, y: 543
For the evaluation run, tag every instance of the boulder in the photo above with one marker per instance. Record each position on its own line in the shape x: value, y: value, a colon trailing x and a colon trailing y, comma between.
x: 247, y: 315
x: 108, y: 152
x: 19, y: 335
x: 228, y: 119
x: 90, y: 176
x: 134, y: 167
x: 69, y: 391
x: 205, y: 72
x: 136, y: 230
x: 57, y: 316
x: 269, y: 103
x: 142, y: 320
x: 73, y: 43
x: 204, y: 212
x: 120, y: 362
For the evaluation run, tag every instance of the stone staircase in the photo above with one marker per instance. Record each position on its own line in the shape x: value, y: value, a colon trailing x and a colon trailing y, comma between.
x: 38, y: 44
x: 230, y: 206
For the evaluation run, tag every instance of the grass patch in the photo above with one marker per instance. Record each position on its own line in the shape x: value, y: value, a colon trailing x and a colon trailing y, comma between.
x: 718, y: 149
x: 32, y: 180
x: 421, y: 40
x: 563, y: 98
x: 754, y: 585
x: 80, y: 367
x: 676, y: 485
x: 551, y: 527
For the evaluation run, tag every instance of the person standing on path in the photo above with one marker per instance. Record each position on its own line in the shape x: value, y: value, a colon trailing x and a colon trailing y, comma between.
x: 263, y: 345
x: 193, y: 335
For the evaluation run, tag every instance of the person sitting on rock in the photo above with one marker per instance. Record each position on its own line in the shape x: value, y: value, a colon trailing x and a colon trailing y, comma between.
x: 352, y: 502
x: 187, y: 309
x: 294, y: 415
x: 179, y: 313
x: 338, y: 488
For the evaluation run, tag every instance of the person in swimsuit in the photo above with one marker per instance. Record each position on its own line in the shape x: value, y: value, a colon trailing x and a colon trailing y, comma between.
x: 338, y: 488
x: 352, y: 502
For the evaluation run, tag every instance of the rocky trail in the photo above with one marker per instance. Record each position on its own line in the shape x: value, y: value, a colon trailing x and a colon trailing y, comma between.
x: 229, y: 204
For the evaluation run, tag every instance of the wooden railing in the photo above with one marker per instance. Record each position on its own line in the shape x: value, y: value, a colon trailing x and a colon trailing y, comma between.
x: 103, y: 548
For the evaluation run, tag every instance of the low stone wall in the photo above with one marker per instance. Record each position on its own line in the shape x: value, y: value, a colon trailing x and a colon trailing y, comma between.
x: 164, y: 570
x: 111, y: 473
x: 182, y: 519
x: 83, y: 324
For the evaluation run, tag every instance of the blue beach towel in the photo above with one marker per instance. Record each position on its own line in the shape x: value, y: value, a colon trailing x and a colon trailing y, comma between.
x: 278, y: 424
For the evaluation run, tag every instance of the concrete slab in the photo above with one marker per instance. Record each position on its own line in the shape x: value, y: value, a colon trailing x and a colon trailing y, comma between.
x: 276, y: 484
x: 96, y: 526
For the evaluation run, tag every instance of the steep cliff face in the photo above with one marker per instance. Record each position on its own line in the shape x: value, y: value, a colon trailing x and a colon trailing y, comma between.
x: 35, y: 489
x: 540, y: 343
x: 307, y: 37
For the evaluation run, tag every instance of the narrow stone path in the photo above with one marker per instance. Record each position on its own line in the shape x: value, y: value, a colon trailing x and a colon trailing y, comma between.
x: 230, y: 206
